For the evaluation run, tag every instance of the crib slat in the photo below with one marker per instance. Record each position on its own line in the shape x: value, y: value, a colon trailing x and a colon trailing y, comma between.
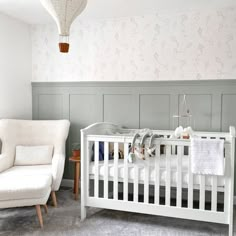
x: 168, y: 175
x: 136, y: 181
x: 214, y: 193
x: 202, y: 192
x: 190, y: 181
x: 179, y: 179
x: 115, y: 183
x: 157, y: 175
x: 89, y: 148
x: 146, y: 182
x: 173, y: 150
x: 227, y: 181
x: 126, y: 153
x: 96, y: 176
x: 106, y: 157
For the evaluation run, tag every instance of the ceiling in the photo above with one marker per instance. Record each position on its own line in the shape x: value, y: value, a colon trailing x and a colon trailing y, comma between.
x: 31, y: 11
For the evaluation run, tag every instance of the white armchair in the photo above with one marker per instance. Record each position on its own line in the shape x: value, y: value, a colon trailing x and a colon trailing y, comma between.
x: 4, y: 163
x: 15, y: 133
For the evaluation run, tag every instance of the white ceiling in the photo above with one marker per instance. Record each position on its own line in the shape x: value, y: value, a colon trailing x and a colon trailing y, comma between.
x: 31, y: 11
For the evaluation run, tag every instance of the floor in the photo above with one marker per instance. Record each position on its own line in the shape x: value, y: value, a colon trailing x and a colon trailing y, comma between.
x: 65, y: 220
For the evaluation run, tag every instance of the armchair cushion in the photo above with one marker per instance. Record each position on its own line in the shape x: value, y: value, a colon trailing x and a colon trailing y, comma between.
x: 24, y: 187
x: 18, y: 171
x: 33, y: 155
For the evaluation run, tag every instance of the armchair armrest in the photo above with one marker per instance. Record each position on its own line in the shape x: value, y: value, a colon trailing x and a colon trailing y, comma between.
x: 58, y: 163
x: 4, y: 163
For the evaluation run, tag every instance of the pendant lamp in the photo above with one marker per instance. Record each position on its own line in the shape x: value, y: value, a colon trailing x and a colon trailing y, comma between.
x: 64, y: 12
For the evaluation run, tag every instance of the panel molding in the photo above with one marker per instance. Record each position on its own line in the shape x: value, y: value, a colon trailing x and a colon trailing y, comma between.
x: 50, y: 113
x: 153, y: 106
x: 193, y: 111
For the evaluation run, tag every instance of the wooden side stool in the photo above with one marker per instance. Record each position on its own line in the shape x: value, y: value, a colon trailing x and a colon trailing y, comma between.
x: 76, y: 160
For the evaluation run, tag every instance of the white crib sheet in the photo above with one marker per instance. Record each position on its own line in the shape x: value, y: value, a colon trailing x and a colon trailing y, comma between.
x: 150, y: 162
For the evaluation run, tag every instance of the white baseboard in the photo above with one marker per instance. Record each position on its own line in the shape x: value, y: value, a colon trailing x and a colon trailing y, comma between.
x: 67, y: 183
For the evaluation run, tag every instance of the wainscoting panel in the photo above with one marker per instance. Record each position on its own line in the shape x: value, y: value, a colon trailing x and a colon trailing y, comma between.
x: 228, y: 110
x: 50, y: 106
x: 135, y: 105
x: 155, y: 111
x: 84, y: 113
x: 200, y: 106
x: 120, y: 108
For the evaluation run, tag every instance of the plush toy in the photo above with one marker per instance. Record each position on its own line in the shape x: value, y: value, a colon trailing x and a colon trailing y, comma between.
x: 138, y: 151
x: 187, y: 133
x: 180, y: 132
x: 131, y: 155
x: 151, y: 150
x: 142, y: 147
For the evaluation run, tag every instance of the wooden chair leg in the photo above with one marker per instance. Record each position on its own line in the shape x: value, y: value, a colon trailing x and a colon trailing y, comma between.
x: 39, y: 213
x: 54, y: 198
x: 45, y: 208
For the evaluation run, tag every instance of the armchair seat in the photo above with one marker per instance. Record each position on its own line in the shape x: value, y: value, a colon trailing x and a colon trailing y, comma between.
x: 33, y: 187
x: 18, y: 171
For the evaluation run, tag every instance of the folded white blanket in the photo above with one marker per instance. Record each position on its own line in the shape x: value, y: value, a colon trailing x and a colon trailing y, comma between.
x: 207, y: 156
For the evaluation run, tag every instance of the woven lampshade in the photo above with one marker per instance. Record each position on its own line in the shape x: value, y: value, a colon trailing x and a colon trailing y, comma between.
x: 64, y: 13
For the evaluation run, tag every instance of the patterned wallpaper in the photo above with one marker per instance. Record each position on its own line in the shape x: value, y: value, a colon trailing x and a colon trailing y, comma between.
x: 181, y: 46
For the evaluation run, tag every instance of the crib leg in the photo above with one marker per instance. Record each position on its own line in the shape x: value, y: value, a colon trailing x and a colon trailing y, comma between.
x: 231, y: 229
x: 83, y: 213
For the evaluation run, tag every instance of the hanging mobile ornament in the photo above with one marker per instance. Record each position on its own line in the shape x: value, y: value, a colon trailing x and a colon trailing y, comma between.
x: 184, y: 116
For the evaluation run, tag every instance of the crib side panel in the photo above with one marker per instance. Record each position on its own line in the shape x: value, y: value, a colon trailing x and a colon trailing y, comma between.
x: 171, y: 185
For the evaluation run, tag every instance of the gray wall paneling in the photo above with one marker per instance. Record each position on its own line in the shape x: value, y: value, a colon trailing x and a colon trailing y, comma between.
x: 135, y: 105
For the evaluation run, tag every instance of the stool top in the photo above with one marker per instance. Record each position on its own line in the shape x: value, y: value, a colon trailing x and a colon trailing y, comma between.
x: 74, y: 159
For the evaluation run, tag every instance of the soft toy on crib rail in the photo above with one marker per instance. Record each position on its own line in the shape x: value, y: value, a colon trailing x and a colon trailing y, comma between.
x: 137, y: 151
x: 151, y: 150
x: 180, y: 132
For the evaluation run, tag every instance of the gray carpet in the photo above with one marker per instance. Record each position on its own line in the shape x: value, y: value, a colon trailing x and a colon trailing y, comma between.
x: 65, y: 220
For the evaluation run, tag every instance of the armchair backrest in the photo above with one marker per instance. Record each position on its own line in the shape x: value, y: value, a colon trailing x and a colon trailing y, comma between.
x: 32, y: 133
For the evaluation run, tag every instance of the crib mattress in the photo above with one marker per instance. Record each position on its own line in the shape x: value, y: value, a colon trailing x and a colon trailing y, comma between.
x: 142, y: 163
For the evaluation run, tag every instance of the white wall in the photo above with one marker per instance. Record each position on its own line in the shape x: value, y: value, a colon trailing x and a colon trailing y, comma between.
x: 198, y: 44
x: 15, y: 69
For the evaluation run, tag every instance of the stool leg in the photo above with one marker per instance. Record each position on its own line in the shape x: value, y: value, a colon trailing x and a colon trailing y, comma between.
x: 45, y: 208
x: 39, y: 213
x: 54, y: 198
x: 76, y: 180
x: 74, y: 190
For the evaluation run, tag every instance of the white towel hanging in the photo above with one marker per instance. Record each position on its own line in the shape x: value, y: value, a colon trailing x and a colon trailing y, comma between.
x: 207, y: 156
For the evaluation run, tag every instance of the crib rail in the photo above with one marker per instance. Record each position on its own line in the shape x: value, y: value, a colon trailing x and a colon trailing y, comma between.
x: 155, y: 185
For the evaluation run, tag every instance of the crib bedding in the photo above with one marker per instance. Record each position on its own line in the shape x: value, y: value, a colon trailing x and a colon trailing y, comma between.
x: 150, y: 162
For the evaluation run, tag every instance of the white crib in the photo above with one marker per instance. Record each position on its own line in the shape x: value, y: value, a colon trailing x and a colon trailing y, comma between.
x: 160, y: 185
